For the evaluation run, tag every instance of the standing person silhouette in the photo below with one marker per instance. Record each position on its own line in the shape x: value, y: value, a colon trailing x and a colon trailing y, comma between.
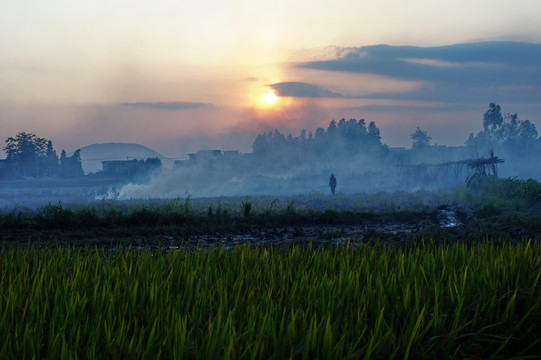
x: 332, y: 183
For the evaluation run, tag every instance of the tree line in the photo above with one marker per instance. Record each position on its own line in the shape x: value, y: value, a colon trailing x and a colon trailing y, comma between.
x: 504, y: 131
x: 349, y: 138
x: 31, y: 156
x: 340, y: 140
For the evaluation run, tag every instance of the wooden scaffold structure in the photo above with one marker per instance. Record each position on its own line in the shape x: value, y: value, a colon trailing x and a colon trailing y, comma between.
x: 448, y: 173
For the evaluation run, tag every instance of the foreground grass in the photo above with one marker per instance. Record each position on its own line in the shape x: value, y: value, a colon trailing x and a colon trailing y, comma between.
x: 430, y: 301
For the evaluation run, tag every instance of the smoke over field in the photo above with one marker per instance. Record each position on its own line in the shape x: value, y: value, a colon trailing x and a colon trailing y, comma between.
x: 280, y: 165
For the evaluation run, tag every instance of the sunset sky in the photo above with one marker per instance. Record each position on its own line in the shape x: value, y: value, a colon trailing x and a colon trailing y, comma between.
x: 180, y: 76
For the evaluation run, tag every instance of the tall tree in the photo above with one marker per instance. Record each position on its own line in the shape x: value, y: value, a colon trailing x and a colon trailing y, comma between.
x: 51, y: 160
x: 25, y: 146
x: 493, y: 119
x: 505, y: 130
x: 71, y: 167
x: 28, y: 151
x: 420, y: 139
x: 373, y: 132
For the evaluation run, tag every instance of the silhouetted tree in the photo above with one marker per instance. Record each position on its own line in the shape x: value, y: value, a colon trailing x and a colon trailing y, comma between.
x: 331, y: 130
x: 340, y: 142
x: 493, y: 119
x: 29, y: 151
x: 62, y: 157
x: 26, y: 145
x: 51, y: 160
x: 503, y: 131
x: 373, y: 132
x: 71, y: 167
x: 303, y: 137
x: 420, y: 139
x: 259, y: 147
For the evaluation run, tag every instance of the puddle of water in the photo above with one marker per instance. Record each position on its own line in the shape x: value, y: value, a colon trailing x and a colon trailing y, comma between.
x: 448, y: 218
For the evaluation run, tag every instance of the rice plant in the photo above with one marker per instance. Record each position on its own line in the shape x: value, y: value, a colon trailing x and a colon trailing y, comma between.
x: 427, y: 301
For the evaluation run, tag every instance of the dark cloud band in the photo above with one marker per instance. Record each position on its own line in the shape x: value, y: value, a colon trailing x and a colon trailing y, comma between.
x: 492, y: 70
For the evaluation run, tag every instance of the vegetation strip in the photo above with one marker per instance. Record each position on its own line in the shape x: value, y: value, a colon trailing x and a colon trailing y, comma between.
x: 508, y: 209
x: 427, y: 301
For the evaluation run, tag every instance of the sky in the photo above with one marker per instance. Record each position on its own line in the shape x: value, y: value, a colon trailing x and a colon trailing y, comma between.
x: 180, y: 76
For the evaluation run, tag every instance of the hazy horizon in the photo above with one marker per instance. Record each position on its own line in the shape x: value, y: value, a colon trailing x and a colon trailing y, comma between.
x: 180, y: 77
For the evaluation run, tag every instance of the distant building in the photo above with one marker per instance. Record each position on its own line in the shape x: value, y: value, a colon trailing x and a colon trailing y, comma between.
x: 128, y: 168
x: 208, y: 157
x: 119, y: 167
x: 205, y: 155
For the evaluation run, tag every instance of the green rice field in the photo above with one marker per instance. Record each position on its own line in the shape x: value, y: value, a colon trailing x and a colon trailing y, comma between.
x: 429, y: 301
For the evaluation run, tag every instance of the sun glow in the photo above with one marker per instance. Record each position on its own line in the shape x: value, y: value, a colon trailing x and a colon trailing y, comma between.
x: 270, y: 98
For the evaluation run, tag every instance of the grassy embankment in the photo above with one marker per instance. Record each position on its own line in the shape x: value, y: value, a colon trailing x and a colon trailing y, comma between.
x: 507, y: 209
x: 180, y: 218
x: 427, y: 301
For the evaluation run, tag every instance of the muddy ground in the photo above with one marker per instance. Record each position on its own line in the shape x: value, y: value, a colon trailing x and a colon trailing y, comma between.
x: 398, y: 219
x: 402, y: 233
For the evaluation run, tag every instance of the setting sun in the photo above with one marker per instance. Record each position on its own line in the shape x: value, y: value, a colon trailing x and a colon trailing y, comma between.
x: 270, y: 98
